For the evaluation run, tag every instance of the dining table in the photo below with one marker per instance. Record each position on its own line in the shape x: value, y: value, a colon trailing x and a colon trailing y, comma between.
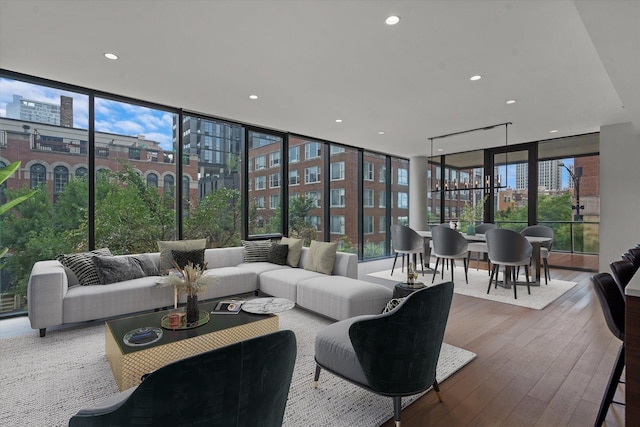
x: 536, y: 244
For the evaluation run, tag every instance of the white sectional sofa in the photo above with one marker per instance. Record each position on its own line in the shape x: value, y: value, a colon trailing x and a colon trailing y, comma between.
x: 55, y: 298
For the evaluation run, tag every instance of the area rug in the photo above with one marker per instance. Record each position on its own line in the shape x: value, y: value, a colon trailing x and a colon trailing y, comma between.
x: 541, y: 296
x: 45, y: 381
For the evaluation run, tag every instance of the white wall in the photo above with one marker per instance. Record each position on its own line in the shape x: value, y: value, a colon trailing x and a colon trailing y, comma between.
x: 619, y: 191
x: 418, y: 166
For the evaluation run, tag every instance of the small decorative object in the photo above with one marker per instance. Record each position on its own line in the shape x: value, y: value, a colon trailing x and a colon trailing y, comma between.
x: 174, y: 320
x: 452, y: 225
x: 142, y: 336
x: 471, y: 214
x: 412, y: 275
x: 190, y: 280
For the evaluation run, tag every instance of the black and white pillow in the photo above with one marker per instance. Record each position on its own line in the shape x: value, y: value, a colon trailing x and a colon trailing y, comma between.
x: 256, y: 250
x: 82, y: 265
x: 182, y: 258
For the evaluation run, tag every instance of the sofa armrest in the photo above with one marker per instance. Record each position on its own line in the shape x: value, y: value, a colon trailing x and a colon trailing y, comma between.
x: 47, y: 288
x: 346, y: 265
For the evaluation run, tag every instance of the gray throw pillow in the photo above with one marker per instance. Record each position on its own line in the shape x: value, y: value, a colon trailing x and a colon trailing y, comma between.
x: 82, y: 266
x: 165, y: 247
x: 295, y: 250
x: 278, y: 254
x: 117, y: 269
x: 146, y: 264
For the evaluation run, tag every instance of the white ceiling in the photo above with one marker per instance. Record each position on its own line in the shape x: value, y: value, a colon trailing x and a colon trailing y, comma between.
x: 571, y: 65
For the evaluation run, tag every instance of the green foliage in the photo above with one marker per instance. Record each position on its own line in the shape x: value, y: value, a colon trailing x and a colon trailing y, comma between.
x: 299, y: 225
x: 217, y: 218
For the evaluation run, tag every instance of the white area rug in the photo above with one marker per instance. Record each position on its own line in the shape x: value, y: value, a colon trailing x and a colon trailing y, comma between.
x: 45, y: 381
x: 541, y: 296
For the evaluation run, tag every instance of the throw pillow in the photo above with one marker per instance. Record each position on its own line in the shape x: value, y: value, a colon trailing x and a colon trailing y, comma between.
x: 165, y: 247
x: 295, y: 250
x: 82, y: 266
x: 278, y: 254
x: 392, y: 304
x: 182, y: 258
x: 113, y: 269
x: 321, y: 257
x: 146, y: 264
x: 256, y: 250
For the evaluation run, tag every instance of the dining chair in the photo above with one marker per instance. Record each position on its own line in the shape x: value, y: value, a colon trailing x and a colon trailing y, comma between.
x: 613, y: 307
x: 622, y: 272
x: 392, y: 354
x: 509, y: 250
x: 406, y: 241
x: 545, y: 247
x: 242, y: 384
x: 449, y: 245
x: 633, y: 255
x: 480, y: 247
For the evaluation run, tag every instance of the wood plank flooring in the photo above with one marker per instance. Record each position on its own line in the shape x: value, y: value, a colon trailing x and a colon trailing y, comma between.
x: 534, y: 367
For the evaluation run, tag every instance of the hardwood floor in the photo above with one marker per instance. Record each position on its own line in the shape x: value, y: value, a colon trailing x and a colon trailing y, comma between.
x: 534, y: 367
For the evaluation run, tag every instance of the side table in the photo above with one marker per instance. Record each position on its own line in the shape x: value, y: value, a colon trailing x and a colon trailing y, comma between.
x: 402, y: 290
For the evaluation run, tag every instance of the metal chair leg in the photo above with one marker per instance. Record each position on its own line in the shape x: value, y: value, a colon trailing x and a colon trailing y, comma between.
x: 611, y: 387
x: 394, y: 263
x: 435, y: 270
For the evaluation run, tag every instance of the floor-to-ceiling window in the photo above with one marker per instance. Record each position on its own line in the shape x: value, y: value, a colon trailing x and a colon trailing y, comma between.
x: 343, y: 197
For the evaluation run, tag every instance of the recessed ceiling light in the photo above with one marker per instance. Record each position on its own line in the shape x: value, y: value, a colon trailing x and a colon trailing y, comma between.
x: 381, y: 133
x: 111, y: 56
x: 440, y: 149
x: 338, y: 120
x: 253, y: 96
x: 474, y: 78
x: 511, y: 101
x: 392, y: 20
x: 553, y: 131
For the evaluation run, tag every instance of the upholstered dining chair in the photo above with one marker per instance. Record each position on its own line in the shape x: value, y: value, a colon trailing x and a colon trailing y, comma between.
x: 450, y: 245
x: 246, y: 384
x: 613, y: 306
x: 480, y: 247
x: 633, y: 255
x: 392, y: 354
x: 545, y: 247
x: 406, y: 241
x: 622, y: 272
x: 508, y: 249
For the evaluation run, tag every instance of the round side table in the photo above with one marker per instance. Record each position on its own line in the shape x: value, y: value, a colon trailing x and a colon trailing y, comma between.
x: 402, y: 290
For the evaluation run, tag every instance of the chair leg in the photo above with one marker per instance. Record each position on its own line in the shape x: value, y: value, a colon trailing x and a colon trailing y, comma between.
x: 526, y: 272
x: 435, y: 270
x: 493, y: 271
x: 422, y: 262
x: 316, y: 376
x: 466, y: 269
x: 611, y: 387
x: 397, y: 407
x: 394, y: 263
x: 546, y: 271
x: 436, y: 388
x: 453, y: 266
x: 515, y: 292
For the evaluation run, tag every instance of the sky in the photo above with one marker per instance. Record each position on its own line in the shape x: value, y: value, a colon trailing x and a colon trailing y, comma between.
x: 111, y: 116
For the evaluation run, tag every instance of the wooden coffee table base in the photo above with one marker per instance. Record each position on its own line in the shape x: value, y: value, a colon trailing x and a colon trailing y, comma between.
x: 128, y: 368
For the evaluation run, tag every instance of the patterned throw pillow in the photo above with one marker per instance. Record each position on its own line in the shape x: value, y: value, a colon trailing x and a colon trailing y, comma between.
x: 256, y: 250
x: 182, y: 258
x: 82, y: 266
x: 392, y: 304
x: 278, y: 254
x: 165, y: 247
x: 113, y: 269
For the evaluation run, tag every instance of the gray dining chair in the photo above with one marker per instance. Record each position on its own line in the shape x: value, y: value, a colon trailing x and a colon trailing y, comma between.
x: 508, y: 249
x: 449, y: 245
x: 406, y: 241
x: 545, y: 247
x: 480, y: 247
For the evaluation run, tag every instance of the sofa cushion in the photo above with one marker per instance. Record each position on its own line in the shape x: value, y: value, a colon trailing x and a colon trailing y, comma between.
x: 82, y: 266
x: 295, y: 250
x: 283, y: 284
x: 182, y: 258
x: 231, y: 281
x: 341, y: 297
x: 278, y: 254
x: 261, y: 267
x: 112, y: 269
x: 256, y: 250
x: 321, y: 257
x: 165, y: 247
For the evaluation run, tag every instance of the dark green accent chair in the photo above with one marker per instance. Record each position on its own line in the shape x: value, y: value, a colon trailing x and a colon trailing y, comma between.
x: 243, y: 384
x: 392, y: 354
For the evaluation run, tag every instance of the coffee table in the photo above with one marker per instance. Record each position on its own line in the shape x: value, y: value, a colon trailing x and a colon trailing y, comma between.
x: 129, y: 363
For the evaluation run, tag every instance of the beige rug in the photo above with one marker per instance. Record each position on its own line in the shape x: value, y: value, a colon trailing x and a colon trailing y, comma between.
x: 541, y: 296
